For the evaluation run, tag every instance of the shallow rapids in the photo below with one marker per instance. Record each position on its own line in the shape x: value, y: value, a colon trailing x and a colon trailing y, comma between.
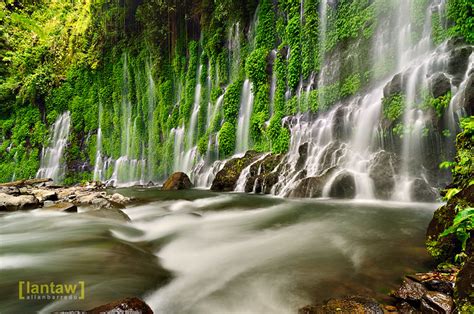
x: 203, y: 252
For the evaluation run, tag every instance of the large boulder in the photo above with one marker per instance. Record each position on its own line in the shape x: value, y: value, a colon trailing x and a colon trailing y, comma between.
x: 312, y: 187
x: 226, y: 179
x: 436, y: 302
x: 393, y: 87
x: 263, y: 174
x: 127, y: 305
x: 421, y: 191
x: 45, y: 195
x: 457, y: 63
x: 343, y: 186
x: 21, y: 202
x: 465, y: 283
x: 381, y: 171
x: 177, y: 181
x: 439, y: 84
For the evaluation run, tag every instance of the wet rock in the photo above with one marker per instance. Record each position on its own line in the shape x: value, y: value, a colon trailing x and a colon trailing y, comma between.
x: 303, y: 155
x: 312, y: 187
x: 436, y: 302
x: 465, y: 281
x: 457, y: 62
x: 394, y: 86
x: 10, y: 190
x: 226, y: 179
x: 467, y: 98
x: 44, y: 195
x: 381, y: 171
x: 422, y: 191
x: 177, y: 181
x: 119, y: 198
x: 330, y: 154
x: 61, y: 207
x: 406, y: 308
x: 108, y: 213
x: 444, y: 248
x: 355, y: 304
x: 127, y: 305
x: 436, y: 281
x: 263, y: 174
x: 343, y: 186
x: 410, y: 290
x: 20, y: 202
x: 439, y: 84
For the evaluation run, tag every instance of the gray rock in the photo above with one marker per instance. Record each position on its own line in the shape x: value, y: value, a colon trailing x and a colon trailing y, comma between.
x: 439, y: 84
x: 343, y: 186
x: 457, y: 62
x: 20, y: 202
x: 44, y: 195
x: 422, y: 191
x: 394, y: 86
x: 381, y: 171
x: 312, y: 187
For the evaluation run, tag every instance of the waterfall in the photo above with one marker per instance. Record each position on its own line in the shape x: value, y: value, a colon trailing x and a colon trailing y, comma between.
x: 323, y: 17
x: 99, y: 164
x: 243, y: 124
x: 52, y: 164
x: 151, y: 125
x: 273, y: 82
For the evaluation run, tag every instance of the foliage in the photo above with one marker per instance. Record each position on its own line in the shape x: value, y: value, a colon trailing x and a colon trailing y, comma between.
x: 393, y: 107
x: 227, y: 139
x: 461, y: 13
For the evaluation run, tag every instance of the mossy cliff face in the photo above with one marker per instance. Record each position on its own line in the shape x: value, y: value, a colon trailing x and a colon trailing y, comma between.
x: 130, y: 69
x: 450, y: 233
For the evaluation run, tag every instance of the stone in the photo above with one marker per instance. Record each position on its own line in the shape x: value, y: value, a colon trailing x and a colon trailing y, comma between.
x: 312, y: 187
x: 20, y: 202
x: 354, y: 304
x: 394, y: 86
x: 29, y: 182
x: 226, y: 179
x: 127, y: 305
x: 303, y: 155
x: 10, y: 190
x: 62, y: 207
x: 177, y: 181
x: 436, y: 302
x: 44, y: 195
x: 343, y: 186
x: 263, y: 174
x: 406, y: 308
x: 457, y: 62
x: 439, y: 84
x: 410, y: 290
x: 421, y: 191
x: 381, y: 171
x: 465, y: 281
x: 119, y: 198
x: 108, y: 213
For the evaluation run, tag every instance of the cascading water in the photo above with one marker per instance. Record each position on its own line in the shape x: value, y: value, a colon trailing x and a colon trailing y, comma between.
x: 52, y: 164
x: 243, y: 124
x: 99, y: 163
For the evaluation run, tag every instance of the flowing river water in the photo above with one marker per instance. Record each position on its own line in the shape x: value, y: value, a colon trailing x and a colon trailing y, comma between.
x: 203, y: 252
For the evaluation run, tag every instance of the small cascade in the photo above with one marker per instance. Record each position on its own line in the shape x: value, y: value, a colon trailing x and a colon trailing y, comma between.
x: 191, y: 131
x: 245, y: 174
x: 52, y: 164
x: 151, y: 125
x: 273, y: 82
x: 243, y: 125
x: 323, y: 16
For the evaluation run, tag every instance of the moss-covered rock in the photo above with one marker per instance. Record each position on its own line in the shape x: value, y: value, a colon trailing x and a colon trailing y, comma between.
x: 177, y: 181
x: 227, y: 177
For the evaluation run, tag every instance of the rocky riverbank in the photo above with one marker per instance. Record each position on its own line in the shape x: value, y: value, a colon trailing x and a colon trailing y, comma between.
x: 44, y: 194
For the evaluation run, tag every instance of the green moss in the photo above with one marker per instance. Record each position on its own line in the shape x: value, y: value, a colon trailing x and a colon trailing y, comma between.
x: 227, y: 139
x: 393, y: 107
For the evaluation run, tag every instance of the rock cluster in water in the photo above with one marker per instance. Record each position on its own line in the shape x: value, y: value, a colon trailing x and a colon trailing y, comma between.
x: 42, y: 193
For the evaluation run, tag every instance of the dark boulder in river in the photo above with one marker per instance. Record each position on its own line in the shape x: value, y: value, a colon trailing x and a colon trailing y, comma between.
x: 177, y: 181
x: 127, y: 305
x: 226, y: 179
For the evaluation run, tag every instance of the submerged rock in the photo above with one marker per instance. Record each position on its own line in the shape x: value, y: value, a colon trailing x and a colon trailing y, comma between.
x: 21, y: 202
x: 62, y: 207
x: 354, y: 304
x: 226, y: 179
x: 108, y: 213
x: 127, y: 305
x: 177, y: 181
